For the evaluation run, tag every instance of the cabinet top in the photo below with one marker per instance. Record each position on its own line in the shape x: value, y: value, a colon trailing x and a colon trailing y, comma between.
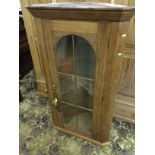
x: 94, y: 11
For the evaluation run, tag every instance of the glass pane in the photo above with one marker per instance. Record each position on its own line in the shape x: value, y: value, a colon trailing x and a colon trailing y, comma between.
x: 85, y: 93
x: 68, y: 97
x: 67, y: 85
x: 70, y: 113
x: 77, y: 92
x: 85, y: 121
x: 64, y: 55
x: 85, y: 58
x: 67, y: 82
x: 77, y: 118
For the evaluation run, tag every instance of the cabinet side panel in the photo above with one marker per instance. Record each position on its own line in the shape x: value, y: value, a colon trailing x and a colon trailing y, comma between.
x: 34, y: 47
x: 109, y: 62
x: 31, y: 38
x: 101, y: 57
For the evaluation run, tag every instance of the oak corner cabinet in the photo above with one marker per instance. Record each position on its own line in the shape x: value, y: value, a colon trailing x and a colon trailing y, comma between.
x: 81, y: 49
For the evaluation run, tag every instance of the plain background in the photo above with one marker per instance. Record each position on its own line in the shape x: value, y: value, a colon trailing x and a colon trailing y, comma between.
x: 145, y: 77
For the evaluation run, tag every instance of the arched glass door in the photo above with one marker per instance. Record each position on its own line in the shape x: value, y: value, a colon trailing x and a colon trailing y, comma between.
x: 76, y: 62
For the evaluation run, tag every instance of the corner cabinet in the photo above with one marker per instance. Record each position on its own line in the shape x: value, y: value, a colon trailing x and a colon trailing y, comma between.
x: 80, y: 48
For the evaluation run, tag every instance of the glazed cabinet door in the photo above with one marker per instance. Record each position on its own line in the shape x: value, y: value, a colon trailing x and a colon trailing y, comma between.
x: 72, y: 66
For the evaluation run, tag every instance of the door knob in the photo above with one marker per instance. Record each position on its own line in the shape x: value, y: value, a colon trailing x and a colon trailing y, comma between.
x: 55, y: 99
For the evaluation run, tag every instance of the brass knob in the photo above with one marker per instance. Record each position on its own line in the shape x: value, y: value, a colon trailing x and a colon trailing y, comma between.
x: 55, y: 102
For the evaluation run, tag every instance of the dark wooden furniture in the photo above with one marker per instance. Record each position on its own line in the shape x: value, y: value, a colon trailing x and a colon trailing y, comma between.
x: 81, y: 49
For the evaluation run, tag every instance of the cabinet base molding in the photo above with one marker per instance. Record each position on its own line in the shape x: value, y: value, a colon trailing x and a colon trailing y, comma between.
x: 81, y: 136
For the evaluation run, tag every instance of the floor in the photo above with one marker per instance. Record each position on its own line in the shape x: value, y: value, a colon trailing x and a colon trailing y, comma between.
x: 37, y: 136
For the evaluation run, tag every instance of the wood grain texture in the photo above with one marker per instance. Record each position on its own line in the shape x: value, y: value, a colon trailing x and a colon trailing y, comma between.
x: 109, y: 46
x: 124, y: 108
x: 131, y: 32
x: 74, y: 26
x: 91, y: 38
x: 63, y: 28
x: 127, y: 81
x: 101, y: 61
x: 56, y: 111
x: 131, y: 25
